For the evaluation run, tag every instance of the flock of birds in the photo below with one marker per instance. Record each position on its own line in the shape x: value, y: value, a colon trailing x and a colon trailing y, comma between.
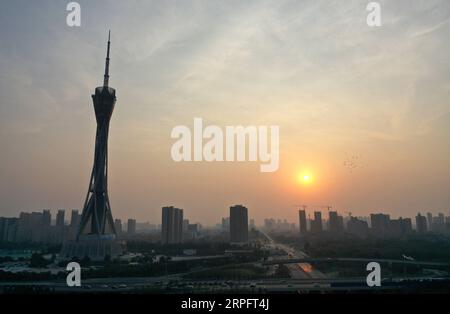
x: 352, y: 162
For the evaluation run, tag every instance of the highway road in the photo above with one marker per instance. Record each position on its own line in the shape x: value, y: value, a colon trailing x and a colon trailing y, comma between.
x: 177, y: 285
x: 299, y: 270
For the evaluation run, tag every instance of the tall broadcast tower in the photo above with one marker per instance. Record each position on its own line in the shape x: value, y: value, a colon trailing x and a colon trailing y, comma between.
x: 96, y: 235
x: 96, y: 218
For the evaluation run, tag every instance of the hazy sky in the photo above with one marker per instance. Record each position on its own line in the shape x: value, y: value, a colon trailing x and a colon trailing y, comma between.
x: 364, y: 111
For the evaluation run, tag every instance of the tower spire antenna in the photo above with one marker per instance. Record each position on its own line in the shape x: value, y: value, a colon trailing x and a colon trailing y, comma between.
x: 106, y: 77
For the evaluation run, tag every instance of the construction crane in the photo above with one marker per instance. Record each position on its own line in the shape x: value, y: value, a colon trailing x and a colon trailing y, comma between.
x: 302, y: 206
x: 328, y: 207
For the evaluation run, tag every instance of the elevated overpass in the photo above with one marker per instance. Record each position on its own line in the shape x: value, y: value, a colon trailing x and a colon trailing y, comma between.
x: 362, y: 260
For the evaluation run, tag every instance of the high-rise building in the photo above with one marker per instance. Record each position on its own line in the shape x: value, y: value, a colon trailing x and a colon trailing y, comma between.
x: 74, y: 219
x: 37, y: 227
x: 357, y: 227
x: 421, y: 223
x: 430, y: 221
x: 439, y: 223
x: 316, y: 224
x: 185, y: 224
x: 238, y: 224
x: 172, y: 225
x: 269, y: 223
x: 73, y: 224
x: 30, y: 227
x: 46, y: 217
x: 8, y: 229
x: 60, y: 234
x: 192, y: 231
x: 380, y: 224
x: 46, y: 225
x: 302, y: 221
x: 335, y: 222
x: 60, y: 218
x: 131, y: 226
x: 193, y: 228
x: 3, y: 228
x: 118, y: 226
x: 24, y: 228
x: 226, y: 224
x: 399, y: 227
x: 406, y: 225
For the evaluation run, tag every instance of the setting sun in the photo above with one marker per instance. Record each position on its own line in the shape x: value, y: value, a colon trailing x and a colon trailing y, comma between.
x: 304, y: 177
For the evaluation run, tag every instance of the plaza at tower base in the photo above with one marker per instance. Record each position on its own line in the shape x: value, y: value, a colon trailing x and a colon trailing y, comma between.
x: 95, y: 247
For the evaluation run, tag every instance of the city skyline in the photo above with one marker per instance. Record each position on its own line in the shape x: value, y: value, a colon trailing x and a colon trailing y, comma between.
x: 363, y: 113
x: 58, y: 217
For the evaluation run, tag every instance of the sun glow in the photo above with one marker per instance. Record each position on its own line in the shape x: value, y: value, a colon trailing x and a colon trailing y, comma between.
x: 304, y: 178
